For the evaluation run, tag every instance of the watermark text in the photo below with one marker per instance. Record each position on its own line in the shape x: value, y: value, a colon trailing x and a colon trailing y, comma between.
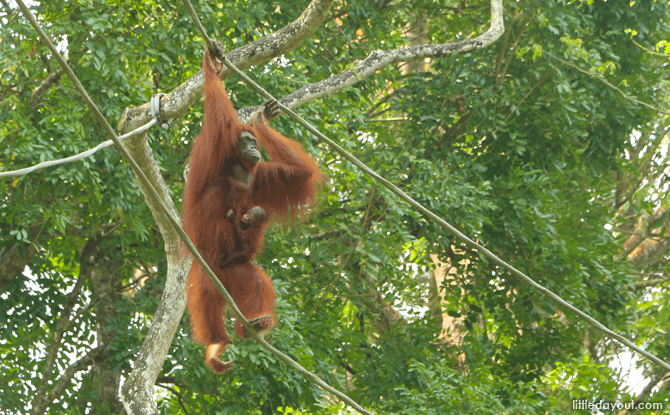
x: 588, y: 405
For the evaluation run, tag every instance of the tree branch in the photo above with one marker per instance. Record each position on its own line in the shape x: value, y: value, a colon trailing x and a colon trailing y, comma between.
x: 606, y: 82
x: 380, y: 59
x: 650, y: 283
x: 177, y: 103
x: 51, y: 80
x: 76, y: 157
x: 641, y: 248
x: 43, y: 402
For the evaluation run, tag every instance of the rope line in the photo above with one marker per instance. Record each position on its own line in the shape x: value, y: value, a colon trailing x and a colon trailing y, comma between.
x: 173, y: 221
x: 312, y: 377
x: 155, y: 108
x: 155, y: 114
x: 404, y: 196
x: 76, y: 157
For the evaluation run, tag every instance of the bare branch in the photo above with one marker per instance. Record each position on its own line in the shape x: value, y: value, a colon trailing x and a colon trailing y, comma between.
x: 495, y: 5
x: 177, y: 103
x: 181, y: 98
x: 380, y: 59
x: 76, y: 157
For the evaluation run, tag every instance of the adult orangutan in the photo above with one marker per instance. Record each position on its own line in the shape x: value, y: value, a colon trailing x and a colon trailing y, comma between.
x: 229, y: 197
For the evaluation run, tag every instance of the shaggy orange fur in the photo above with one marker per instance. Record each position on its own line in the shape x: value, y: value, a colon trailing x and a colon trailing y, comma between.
x: 281, y: 187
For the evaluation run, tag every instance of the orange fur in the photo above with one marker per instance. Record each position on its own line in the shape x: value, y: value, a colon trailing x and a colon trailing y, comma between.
x: 282, y: 186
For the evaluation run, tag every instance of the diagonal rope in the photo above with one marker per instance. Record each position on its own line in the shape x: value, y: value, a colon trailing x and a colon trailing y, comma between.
x: 404, y: 196
x: 312, y: 377
x: 173, y: 221
x: 602, y: 79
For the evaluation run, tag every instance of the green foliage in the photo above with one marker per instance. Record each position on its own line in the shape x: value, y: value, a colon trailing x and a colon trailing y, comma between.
x: 520, y: 145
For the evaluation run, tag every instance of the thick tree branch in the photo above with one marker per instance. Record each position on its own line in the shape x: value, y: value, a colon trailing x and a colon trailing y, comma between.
x: 649, y: 252
x: 495, y: 5
x: 380, y: 59
x: 181, y: 98
x: 639, y: 234
x: 137, y: 392
x: 177, y: 103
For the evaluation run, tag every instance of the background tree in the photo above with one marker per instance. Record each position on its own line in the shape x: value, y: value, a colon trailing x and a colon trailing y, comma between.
x: 539, y: 146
